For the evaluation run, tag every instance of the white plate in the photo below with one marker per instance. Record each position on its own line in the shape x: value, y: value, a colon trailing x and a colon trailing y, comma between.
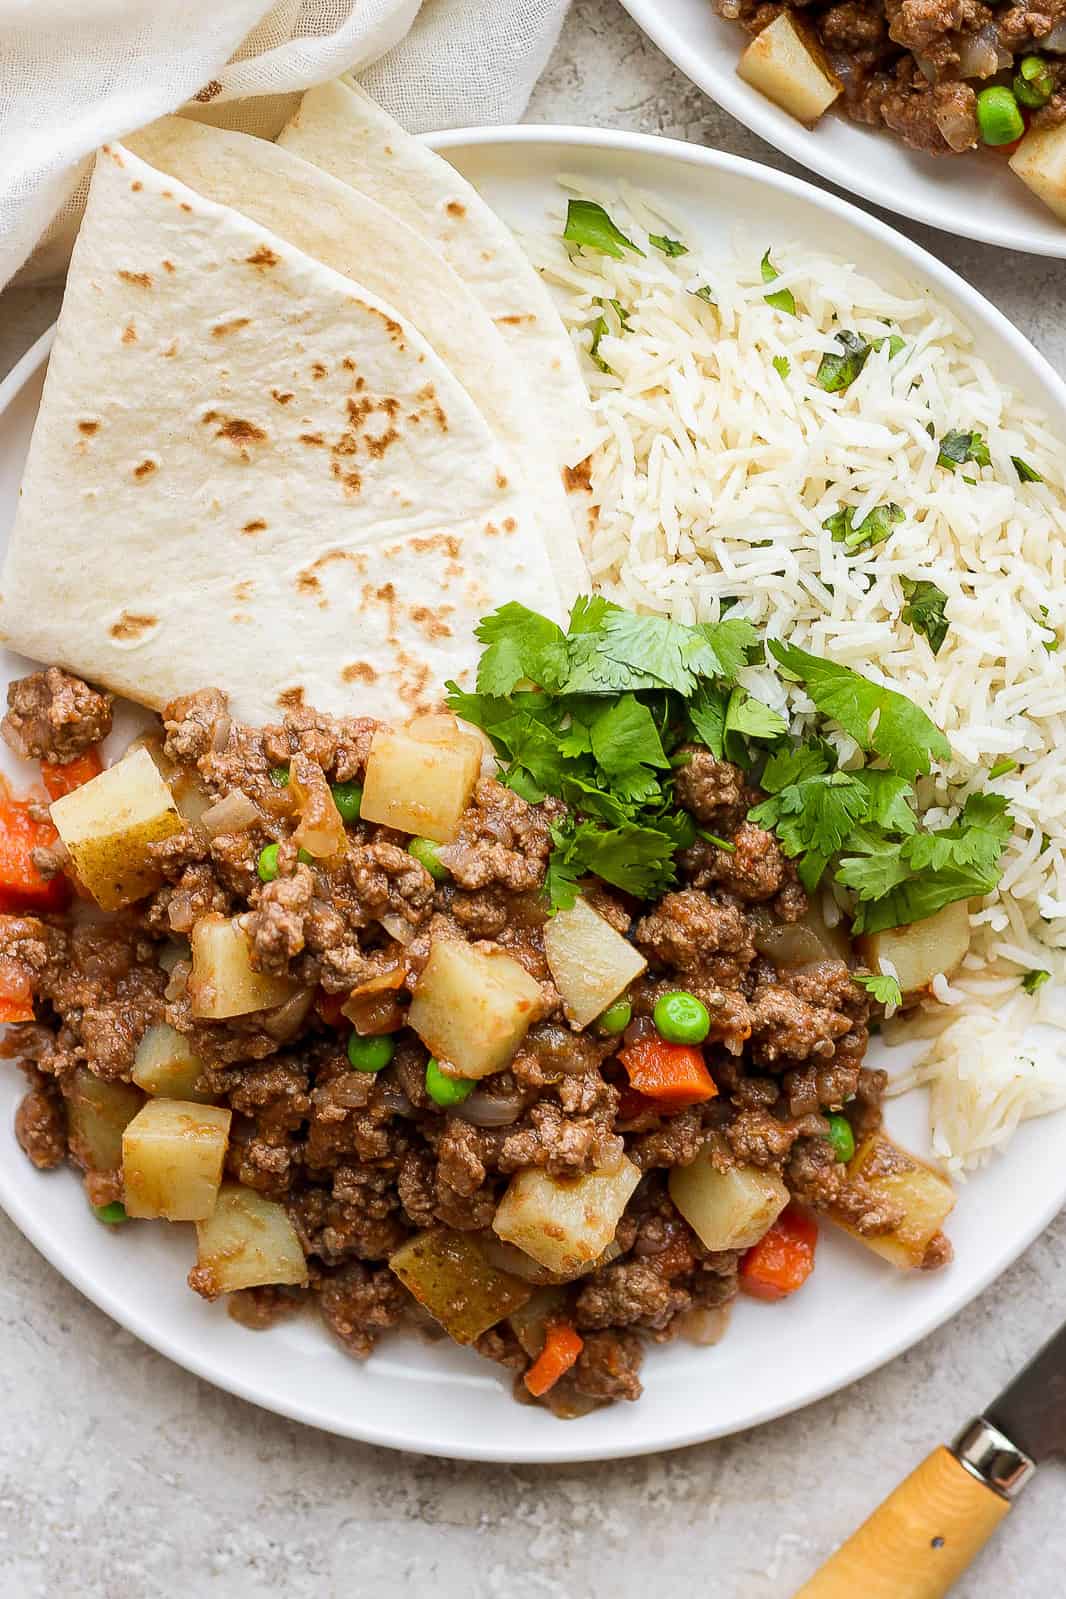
x: 855, y: 1313
x: 974, y: 196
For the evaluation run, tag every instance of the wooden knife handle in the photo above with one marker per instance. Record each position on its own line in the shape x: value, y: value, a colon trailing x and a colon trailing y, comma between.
x: 919, y: 1542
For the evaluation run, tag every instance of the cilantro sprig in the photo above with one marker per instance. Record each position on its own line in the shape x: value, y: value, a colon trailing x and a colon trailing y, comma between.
x: 596, y: 715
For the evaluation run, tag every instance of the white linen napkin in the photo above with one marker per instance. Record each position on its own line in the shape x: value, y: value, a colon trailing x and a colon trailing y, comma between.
x: 76, y: 73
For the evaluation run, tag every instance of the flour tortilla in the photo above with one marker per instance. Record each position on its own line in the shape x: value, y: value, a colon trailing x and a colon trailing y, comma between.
x: 250, y: 472
x: 351, y: 232
x: 341, y: 129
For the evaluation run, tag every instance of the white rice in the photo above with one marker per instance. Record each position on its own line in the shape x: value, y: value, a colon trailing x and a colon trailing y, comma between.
x: 713, y: 477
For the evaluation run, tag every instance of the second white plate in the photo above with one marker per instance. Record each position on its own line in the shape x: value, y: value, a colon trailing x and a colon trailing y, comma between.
x: 974, y: 196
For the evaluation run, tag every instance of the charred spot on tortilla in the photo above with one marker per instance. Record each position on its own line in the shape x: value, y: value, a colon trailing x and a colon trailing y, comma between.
x: 136, y: 185
x: 129, y: 334
x: 455, y: 208
x: 171, y: 349
x: 244, y: 589
x: 236, y: 429
x: 88, y: 428
x: 210, y: 91
x: 437, y: 543
x: 263, y: 257
x: 312, y: 438
x: 358, y: 672
x: 131, y: 625
x: 501, y: 481
x: 221, y: 329
x: 348, y: 365
x: 516, y: 319
x: 308, y: 583
x: 185, y: 206
x: 291, y: 699
x: 145, y: 469
x: 256, y: 526
x: 282, y: 396
x: 431, y: 619
x: 509, y: 524
x: 579, y: 476
x: 168, y: 266
x: 428, y: 397
x: 412, y: 679
x: 318, y: 370
x: 141, y: 280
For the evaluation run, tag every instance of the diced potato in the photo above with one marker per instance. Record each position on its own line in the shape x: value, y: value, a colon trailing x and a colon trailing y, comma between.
x: 727, y: 1209
x: 97, y: 1114
x: 1040, y: 162
x: 920, y: 950
x: 172, y: 1155
x: 785, y: 63
x: 419, y: 787
x: 167, y: 1067
x: 245, y: 1242
x: 108, y: 823
x: 590, y: 962
x: 472, y: 1007
x: 223, y: 982
x: 448, y: 1275
x: 565, y: 1222
x: 882, y: 1171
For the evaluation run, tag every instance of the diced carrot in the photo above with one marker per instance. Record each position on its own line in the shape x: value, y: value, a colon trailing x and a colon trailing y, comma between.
x: 329, y: 1007
x: 22, y: 888
x: 562, y: 1345
x: 783, y: 1258
x: 64, y: 779
x: 16, y: 991
x: 672, y: 1075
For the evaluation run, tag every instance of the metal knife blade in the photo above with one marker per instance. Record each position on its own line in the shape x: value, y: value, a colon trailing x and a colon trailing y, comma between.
x: 1031, y: 1410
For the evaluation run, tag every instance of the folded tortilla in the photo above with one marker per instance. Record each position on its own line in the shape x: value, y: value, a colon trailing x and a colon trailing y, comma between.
x: 351, y: 232
x: 249, y: 471
x: 341, y: 129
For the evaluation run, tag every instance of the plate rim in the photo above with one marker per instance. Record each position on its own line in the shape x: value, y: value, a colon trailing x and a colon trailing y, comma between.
x: 569, y: 1448
x: 748, y: 106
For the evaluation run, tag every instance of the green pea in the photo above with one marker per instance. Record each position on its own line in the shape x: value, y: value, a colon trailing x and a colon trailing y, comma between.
x: 616, y: 1018
x: 427, y: 854
x: 841, y: 1137
x: 347, y: 797
x: 267, y: 864
x: 998, y: 117
x: 681, y: 1018
x: 1034, y: 83
x: 112, y: 1215
x: 370, y: 1054
x: 279, y: 776
x: 305, y: 857
x: 443, y: 1090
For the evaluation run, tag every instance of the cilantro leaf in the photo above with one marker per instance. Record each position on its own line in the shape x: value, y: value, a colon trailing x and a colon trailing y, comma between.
x: 1034, y: 980
x: 621, y: 313
x: 838, y: 370
x: 924, y: 609
x: 707, y: 712
x: 745, y: 718
x: 588, y: 225
x: 888, y: 805
x: 622, y: 650
x: 817, y: 814
x: 781, y: 299
x: 624, y: 736
x: 787, y: 767
x: 876, y: 717
x: 918, y: 897
x: 705, y: 294
x: 1026, y: 474
x: 782, y: 365
x: 875, y: 527
x: 885, y: 989
x: 976, y: 839
x: 667, y: 246
x: 521, y: 644
x: 956, y: 448
x: 599, y: 329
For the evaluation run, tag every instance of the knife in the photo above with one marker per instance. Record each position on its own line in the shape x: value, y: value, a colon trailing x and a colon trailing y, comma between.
x: 922, y: 1538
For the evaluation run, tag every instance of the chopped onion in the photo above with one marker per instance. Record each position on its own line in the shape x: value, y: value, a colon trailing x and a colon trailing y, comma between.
x: 980, y: 56
x: 220, y: 733
x: 790, y: 944
x: 179, y: 979
x: 234, y: 814
x: 181, y: 912
x: 284, y: 1022
x: 397, y: 928
x: 394, y: 1100
x: 703, y: 1326
x: 1055, y: 41
x: 515, y: 1261
x: 490, y: 1110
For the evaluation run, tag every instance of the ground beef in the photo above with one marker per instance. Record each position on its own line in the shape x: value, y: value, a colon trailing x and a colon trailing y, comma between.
x: 631, y: 1293
x: 687, y: 927
x: 716, y: 792
x: 502, y: 839
x: 41, y: 1122
x: 608, y: 1364
x: 562, y: 1145
x: 53, y: 716
x: 359, y: 1303
x: 259, y: 1308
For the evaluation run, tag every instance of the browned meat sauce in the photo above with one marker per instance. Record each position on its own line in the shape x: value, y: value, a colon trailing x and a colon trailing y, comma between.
x: 917, y: 66
x: 363, y: 1161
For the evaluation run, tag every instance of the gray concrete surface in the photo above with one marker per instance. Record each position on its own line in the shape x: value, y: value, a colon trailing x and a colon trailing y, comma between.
x: 122, y: 1477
